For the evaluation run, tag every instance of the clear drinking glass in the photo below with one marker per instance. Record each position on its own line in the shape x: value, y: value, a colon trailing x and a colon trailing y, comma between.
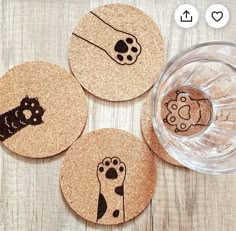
x: 203, y: 137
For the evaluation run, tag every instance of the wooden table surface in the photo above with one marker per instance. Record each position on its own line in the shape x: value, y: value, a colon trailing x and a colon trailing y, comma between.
x: 30, y: 196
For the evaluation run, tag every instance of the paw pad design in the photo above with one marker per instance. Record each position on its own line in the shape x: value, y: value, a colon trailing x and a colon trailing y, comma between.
x: 127, y: 50
x: 111, y: 169
x: 29, y: 112
x: 31, y: 107
x: 184, y: 112
x: 111, y: 174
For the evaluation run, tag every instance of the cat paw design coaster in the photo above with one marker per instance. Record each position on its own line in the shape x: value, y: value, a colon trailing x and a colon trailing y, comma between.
x: 149, y: 133
x: 186, y: 111
x: 116, y: 52
x: 43, y: 109
x: 108, y: 176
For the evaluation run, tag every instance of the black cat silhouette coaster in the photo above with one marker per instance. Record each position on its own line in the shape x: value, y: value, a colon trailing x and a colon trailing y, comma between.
x: 43, y: 109
x: 149, y: 134
x: 186, y: 111
x: 108, y: 176
x: 116, y: 52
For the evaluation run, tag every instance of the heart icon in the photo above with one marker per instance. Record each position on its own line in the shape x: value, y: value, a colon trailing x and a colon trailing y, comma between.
x: 217, y: 15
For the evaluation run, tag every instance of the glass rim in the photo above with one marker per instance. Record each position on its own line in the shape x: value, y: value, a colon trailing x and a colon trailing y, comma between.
x: 155, y: 89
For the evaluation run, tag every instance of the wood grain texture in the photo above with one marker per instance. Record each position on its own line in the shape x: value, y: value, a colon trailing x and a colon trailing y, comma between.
x: 30, y: 196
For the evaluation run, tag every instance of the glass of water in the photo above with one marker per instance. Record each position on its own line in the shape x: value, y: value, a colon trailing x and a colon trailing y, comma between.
x: 194, y: 107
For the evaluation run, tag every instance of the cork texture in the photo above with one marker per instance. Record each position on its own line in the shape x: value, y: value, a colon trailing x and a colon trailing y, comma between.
x: 108, y: 176
x: 43, y: 109
x: 186, y: 111
x: 149, y: 134
x: 116, y: 52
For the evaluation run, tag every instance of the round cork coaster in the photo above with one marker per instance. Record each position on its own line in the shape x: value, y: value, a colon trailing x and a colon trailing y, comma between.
x: 186, y: 111
x: 149, y: 133
x: 108, y: 176
x: 43, y: 109
x: 116, y: 52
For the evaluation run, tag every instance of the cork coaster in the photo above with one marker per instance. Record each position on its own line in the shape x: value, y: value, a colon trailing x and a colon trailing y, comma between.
x: 149, y: 133
x: 116, y: 52
x: 108, y: 176
x: 186, y: 111
x: 43, y: 109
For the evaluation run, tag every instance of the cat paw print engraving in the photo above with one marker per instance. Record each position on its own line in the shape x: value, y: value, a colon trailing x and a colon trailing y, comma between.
x: 184, y: 114
x: 121, y: 46
x: 29, y: 112
x: 111, y: 174
x: 127, y: 50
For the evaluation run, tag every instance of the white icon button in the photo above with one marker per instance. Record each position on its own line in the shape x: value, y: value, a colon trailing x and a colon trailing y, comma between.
x: 217, y: 16
x: 186, y: 16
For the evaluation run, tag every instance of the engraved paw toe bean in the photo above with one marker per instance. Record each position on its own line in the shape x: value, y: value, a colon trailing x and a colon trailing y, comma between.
x: 31, y: 110
x: 127, y: 50
x: 111, y: 168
